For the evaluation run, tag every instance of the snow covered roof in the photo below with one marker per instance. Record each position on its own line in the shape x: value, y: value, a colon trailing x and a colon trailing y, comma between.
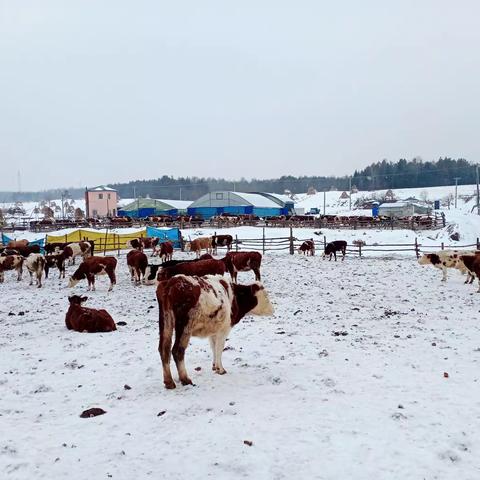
x: 157, y: 203
x: 257, y: 200
x: 101, y: 188
x: 281, y: 199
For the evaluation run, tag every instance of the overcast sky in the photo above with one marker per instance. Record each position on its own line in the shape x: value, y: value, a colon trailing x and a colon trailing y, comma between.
x: 96, y: 91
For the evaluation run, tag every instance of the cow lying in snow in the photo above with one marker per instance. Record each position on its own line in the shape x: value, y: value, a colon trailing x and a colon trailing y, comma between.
x: 35, y: 264
x: 83, y: 319
x: 444, y: 259
x: 332, y: 248
x: 307, y: 247
x: 92, y: 266
x: 202, y: 307
x: 11, y: 262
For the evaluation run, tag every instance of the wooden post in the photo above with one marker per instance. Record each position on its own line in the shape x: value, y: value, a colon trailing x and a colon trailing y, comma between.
x: 118, y: 244
x: 443, y: 246
x: 478, y: 243
x: 324, y: 242
x: 105, y: 246
x: 360, y: 249
x: 417, y: 250
x: 263, y: 241
x: 292, y: 248
x: 236, y: 243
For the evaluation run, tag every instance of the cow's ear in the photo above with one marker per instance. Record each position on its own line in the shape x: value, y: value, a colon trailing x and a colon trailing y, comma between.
x: 255, y: 288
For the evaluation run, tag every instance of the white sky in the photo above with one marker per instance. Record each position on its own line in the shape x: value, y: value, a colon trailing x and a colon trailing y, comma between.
x: 102, y: 91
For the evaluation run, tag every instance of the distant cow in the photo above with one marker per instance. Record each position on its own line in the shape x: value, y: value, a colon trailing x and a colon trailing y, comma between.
x: 57, y: 260
x: 51, y: 248
x: 35, y: 264
x: 80, y: 249
x: 199, y: 244
x: 17, y: 243
x: 137, y: 263
x: 83, y: 319
x: 93, y: 266
x: 243, y: 262
x: 143, y: 242
x: 332, y: 248
x: 221, y: 241
x: 27, y: 250
x: 444, y: 259
x: 307, y: 247
x: 202, y: 307
x: 164, y: 251
x: 11, y: 262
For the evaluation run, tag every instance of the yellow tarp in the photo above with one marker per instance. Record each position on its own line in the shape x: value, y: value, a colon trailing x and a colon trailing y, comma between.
x: 103, y: 241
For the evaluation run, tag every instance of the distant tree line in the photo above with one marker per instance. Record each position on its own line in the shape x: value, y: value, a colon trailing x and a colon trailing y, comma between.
x: 377, y: 176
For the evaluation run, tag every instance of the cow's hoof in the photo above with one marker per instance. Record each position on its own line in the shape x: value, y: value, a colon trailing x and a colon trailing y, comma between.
x: 186, y: 381
x: 220, y: 371
x: 170, y: 385
x: 214, y: 368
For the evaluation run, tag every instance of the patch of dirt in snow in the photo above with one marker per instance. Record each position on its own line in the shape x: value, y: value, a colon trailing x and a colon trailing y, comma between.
x: 372, y: 400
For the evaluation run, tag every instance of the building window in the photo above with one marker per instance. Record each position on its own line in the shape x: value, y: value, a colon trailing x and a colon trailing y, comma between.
x: 100, y: 196
x: 219, y: 196
x: 109, y: 196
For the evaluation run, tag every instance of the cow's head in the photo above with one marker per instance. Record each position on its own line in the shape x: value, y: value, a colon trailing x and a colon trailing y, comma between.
x: 75, y: 278
x: 264, y: 308
x: 150, y: 276
x: 188, y: 246
x: 77, y: 299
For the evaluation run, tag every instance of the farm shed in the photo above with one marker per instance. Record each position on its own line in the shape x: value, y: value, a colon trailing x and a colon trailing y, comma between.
x: 237, y: 203
x: 403, y: 209
x: 145, y: 207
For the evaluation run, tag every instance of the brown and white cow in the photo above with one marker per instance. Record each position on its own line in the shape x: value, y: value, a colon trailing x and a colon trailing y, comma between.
x: 164, y: 251
x: 141, y: 243
x: 199, y: 244
x: 57, y: 260
x: 83, y: 319
x: 444, y: 259
x: 11, y: 262
x: 137, y: 263
x: 93, y: 266
x: 243, y: 262
x: 197, y: 268
x: 202, y: 307
x: 79, y: 249
x: 17, y: 243
x: 472, y: 264
x: 221, y: 241
x: 307, y: 247
x: 35, y: 264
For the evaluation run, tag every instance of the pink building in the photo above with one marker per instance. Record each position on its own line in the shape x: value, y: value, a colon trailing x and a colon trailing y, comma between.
x: 101, y: 201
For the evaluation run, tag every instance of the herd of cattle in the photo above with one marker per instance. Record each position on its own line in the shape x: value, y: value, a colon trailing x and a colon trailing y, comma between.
x: 194, y: 296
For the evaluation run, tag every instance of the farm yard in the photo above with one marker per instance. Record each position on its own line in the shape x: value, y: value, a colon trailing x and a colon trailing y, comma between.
x: 368, y: 367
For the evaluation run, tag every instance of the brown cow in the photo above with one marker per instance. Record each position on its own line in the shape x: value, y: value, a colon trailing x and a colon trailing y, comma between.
x: 35, y: 264
x: 198, y: 268
x: 307, y: 247
x: 143, y: 242
x: 243, y: 262
x: 472, y: 264
x: 11, y: 262
x: 221, y: 241
x: 202, y: 307
x: 137, y: 263
x: 26, y: 251
x: 164, y: 251
x: 83, y: 319
x: 199, y: 244
x: 92, y: 266
x: 17, y: 243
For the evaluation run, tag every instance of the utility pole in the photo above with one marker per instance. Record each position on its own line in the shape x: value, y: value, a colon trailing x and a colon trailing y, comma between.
x: 350, y: 191
x: 324, y: 198
x: 478, y: 192
x: 456, y: 189
x: 180, y: 188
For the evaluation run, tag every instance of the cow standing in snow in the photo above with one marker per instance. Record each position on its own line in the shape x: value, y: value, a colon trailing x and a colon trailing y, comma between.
x: 445, y: 259
x: 35, y: 264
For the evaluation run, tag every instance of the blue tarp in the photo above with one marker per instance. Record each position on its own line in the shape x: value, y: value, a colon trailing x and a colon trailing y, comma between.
x: 170, y: 234
x: 40, y: 241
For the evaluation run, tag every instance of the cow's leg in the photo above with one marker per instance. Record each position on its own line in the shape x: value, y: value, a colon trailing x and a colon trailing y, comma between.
x: 46, y: 271
x: 131, y: 273
x: 31, y: 277
x: 212, y: 340
x: 444, y: 274
x: 165, y: 348
x: 344, y: 251
x: 19, y: 273
x: 478, y: 285
x: 2, y: 277
x: 256, y: 271
x: 182, y: 337
x: 39, y: 278
x: 219, y: 346
x: 113, y: 279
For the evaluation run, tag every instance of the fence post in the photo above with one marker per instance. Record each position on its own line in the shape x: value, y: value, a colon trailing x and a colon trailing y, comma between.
x: 236, y: 243
x: 360, y: 249
x: 292, y: 249
x: 105, y: 245
x: 324, y: 242
x: 118, y: 244
x: 443, y: 246
x: 263, y: 241
x: 417, y: 251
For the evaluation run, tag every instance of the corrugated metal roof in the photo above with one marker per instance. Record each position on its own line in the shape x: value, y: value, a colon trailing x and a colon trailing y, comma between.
x: 101, y: 188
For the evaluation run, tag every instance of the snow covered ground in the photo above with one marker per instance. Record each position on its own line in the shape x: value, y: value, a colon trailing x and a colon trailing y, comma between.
x: 346, y: 381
